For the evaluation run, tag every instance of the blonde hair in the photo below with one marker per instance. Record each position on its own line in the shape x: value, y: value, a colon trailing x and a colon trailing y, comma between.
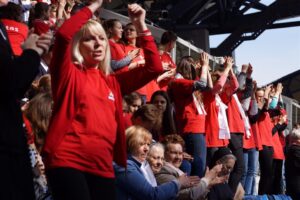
x: 135, y: 136
x: 91, y: 26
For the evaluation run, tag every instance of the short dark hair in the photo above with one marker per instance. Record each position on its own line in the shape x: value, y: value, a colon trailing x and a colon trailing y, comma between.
x: 168, y: 36
x: 11, y: 11
x: 130, y: 98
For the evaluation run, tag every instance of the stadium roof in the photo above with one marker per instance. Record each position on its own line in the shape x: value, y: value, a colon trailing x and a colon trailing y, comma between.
x: 242, y: 19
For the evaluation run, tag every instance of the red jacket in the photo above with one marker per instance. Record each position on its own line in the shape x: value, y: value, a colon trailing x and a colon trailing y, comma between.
x: 235, y: 121
x: 212, y: 110
x: 73, y: 138
x: 211, y: 122
x: 17, y: 34
x: 188, y: 119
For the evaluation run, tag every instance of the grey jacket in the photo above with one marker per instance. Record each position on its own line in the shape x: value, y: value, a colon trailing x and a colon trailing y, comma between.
x: 168, y: 174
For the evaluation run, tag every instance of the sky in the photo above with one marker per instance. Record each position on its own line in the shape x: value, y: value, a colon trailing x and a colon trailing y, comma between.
x: 274, y: 54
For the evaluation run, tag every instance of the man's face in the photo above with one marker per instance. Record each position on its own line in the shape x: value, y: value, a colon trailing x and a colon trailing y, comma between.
x: 3, y: 2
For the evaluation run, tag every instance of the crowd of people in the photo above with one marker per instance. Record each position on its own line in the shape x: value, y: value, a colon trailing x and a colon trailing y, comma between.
x: 96, y: 109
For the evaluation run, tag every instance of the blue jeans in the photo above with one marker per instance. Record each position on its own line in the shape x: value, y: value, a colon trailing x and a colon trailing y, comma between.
x: 196, y: 146
x: 251, y: 163
x: 186, y: 167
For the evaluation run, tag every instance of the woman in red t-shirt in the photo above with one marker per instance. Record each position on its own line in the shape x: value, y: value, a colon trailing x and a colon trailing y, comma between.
x: 216, y: 123
x: 186, y: 94
x: 86, y: 131
x: 11, y: 17
x: 130, y: 40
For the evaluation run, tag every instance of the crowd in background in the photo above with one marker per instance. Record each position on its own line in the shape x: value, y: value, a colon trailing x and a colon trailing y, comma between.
x: 96, y: 109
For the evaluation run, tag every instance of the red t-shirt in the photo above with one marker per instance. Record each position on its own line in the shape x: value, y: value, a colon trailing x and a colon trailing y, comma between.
x: 17, y: 34
x: 117, y: 51
x: 129, y: 48
x: 265, y: 129
x: 249, y: 143
x: 165, y: 57
x: 86, y: 130
x: 256, y: 136
x: 94, y: 126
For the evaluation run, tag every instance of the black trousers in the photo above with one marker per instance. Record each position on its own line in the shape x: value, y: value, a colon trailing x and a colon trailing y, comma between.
x: 16, y: 179
x: 277, y: 177
x: 210, y: 153
x: 265, y: 164
x: 236, y: 146
x: 73, y: 184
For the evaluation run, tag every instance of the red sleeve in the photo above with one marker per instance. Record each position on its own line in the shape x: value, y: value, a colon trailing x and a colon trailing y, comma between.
x: 117, y: 50
x: 60, y: 66
x: 234, y: 83
x: 219, y: 84
x: 181, y: 86
x: 138, y: 77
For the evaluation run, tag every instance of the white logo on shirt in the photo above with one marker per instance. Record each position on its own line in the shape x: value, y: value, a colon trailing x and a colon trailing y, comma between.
x: 11, y: 28
x: 111, y: 96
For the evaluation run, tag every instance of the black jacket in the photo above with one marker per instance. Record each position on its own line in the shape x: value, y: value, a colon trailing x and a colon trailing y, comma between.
x: 16, y: 75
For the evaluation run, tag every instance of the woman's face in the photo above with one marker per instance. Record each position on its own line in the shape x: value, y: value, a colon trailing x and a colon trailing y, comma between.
x: 136, y: 104
x: 260, y: 96
x: 116, y: 31
x: 160, y: 102
x: 141, y: 152
x: 156, y: 159
x: 174, y: 154
x: 92, y: 48
x: 130, y: 32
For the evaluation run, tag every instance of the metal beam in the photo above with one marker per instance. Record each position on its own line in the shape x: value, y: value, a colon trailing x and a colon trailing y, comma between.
x: 192, y: 20
x: 182, y: 7
x: 275, y: 11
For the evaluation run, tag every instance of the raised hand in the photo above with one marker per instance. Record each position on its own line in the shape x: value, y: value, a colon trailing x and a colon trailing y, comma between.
x: 94, y: 5
x: 228, y: 62
x: 137, y: 15
x: 204, y: 59
x: 249, y: 71
x: 244, y: 68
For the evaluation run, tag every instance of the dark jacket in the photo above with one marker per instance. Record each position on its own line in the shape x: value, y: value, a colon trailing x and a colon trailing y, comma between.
x: 16, y: 75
